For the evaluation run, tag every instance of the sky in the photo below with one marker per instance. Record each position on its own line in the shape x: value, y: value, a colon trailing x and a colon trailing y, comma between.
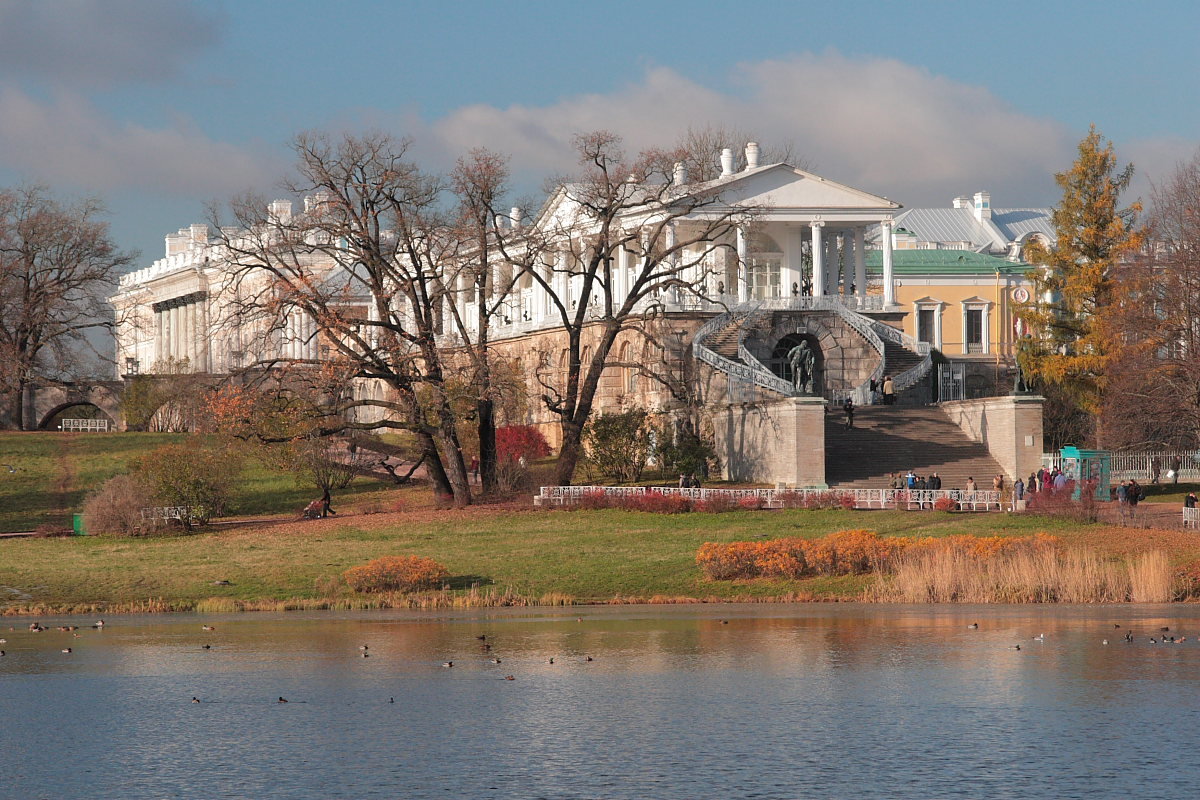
x: 162, y: 107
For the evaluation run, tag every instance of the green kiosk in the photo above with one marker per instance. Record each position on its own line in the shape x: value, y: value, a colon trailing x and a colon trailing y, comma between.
x: 1087, y: 468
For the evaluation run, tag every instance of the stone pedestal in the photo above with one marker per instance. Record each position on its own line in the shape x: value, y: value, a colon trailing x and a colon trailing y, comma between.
x: 781, y: 442
x: 1010, y: 428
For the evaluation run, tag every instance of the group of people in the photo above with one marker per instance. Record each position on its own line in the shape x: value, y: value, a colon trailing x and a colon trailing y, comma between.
x: 886, y: 389
x: 1129, y: 494
x: 913, y: 481
x: 688, y: 481
x: 1046, y: 480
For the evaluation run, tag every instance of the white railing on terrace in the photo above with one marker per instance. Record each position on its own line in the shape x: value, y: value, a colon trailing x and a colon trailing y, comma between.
x: 161, y: 514
x: 1142, y: 466
x: 85, y: 425
x: 1191, y: 518
x: 911, y: 499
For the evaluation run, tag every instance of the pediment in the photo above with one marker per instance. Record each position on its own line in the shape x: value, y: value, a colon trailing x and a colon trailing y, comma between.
x: 782, y: 186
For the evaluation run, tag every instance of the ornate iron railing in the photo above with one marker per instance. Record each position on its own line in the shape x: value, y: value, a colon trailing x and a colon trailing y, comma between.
x: 911, y: 499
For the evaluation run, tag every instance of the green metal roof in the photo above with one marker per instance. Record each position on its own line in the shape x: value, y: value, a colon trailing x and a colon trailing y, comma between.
x: 944, y: 262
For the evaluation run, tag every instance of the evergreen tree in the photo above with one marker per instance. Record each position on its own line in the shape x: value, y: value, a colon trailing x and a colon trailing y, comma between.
x: 1071, y: 312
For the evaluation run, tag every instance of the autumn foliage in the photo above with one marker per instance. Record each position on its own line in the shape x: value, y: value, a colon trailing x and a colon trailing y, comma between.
x: 514, y: 442
x: 397, y: 574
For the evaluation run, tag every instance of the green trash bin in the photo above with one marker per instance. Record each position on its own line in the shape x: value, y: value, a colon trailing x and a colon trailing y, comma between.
x: 78, y: 525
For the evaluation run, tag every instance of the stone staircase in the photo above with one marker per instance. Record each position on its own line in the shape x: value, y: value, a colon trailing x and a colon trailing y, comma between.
x: 725, y: 341
x: 888, y: 439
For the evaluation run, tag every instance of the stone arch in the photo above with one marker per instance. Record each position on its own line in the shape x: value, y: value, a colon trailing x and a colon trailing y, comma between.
x: 780, y: 365
x: 846, y: 359
x: 53, y: 418
x: 44, y: 403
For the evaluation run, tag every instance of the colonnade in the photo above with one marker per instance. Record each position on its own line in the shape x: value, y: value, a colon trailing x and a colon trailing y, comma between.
x: 830, y: 244
x: 181, y: 330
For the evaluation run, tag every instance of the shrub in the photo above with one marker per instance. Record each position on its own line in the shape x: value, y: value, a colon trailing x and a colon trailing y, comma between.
x: 715, y: 504
x: 199, y: 478
x: 593, y: 500
x: 944, y: 504
x: 619, y: 444
x: 396, y: 574
x: 512, y: 478
x: 791, y: 499
x: 514, y: 442
x: 751, y: 503
x: 116, y: 508
x: 656, y: 502
x: 721, y: 561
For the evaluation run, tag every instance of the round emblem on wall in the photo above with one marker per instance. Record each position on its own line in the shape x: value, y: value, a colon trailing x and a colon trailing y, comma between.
x: 1020, y: 294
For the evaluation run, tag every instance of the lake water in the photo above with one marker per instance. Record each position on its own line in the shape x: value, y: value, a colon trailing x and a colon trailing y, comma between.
x: 763, y: 701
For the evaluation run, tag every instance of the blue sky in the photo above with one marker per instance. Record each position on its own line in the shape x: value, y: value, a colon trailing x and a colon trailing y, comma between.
x: 161, y: 106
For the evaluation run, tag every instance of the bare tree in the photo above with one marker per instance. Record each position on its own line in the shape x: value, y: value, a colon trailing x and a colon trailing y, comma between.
x: 701, y: 146
x: 57, y: 263
x: 642, y: 213
x: 361, y: 266
x: 1152, y: 392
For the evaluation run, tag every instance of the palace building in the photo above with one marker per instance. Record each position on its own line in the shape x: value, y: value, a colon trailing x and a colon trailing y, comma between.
x: 868, y: 285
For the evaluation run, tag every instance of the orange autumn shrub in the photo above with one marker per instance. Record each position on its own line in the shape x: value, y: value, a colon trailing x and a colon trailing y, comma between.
x: 396, y: 574
x: 723, y: 562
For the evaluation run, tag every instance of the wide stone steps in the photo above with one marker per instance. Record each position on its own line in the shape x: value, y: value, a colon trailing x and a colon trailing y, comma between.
x: 725, y: 341
x: 887, y: 439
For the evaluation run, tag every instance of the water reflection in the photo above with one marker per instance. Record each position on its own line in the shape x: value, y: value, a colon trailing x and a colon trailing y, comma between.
x: 723, y: 701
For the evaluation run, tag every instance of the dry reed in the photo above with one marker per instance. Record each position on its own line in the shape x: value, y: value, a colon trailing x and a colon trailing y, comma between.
x: 1049, y: 575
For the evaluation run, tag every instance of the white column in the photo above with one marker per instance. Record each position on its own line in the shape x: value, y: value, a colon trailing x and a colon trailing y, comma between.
x: 818, y: 259
x: 676, y: 294
x: 176, y: 341
x: 743, y: 273
x: 789, y: 270
x: 831, y: 265
x: 860, y: 263
x: 847, y: 242
x: 159, y: 336
x: 889, y: 280
x: 987, y: 330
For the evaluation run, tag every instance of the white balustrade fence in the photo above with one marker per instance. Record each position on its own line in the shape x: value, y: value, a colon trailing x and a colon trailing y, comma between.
x: 1142, y: 466
x: 85, y: 425
x: 161, y: 514
x: 911, y: 499
x: 1191, y: 518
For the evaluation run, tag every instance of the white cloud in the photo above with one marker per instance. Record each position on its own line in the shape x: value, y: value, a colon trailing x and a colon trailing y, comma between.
x: 68, y: 140
x: 878, y: 124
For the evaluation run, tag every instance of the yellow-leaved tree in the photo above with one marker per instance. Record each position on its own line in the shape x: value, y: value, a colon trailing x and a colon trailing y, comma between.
x: 1072, y: 311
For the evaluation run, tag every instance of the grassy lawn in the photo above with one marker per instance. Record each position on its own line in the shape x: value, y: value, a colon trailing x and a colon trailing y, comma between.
x: 578, y: 556
x: 55, y: 472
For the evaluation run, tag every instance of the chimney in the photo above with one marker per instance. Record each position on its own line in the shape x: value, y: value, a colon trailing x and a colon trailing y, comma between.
x: 727, y: 162
x: 198, y: 233
x: 681, y: 175
x: 514, y: 216
x: 983, y: 206
x: 751, y: 155
x: 176, y: 242
x: 962, y: 201
x: 281, y: 210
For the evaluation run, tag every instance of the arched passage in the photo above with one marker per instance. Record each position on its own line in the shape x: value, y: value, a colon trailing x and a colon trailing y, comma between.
x: 779, y: 364
x: 74, y: 410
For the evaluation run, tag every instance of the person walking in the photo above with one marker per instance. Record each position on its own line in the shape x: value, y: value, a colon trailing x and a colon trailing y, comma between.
x: 848, y: 409
x: 1019, y: 489
x: 889, y: 391
x: 935, y: 481
x: 475, y: 469
x: 1123, y: 501
x: 1031, y: 485
x: 1133, y: 496
x: 1190, y: 500
x: 1176, y: 466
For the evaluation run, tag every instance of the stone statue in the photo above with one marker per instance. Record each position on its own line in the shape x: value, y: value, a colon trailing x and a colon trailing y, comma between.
x: 1021, y: 383
x: 803, y: 361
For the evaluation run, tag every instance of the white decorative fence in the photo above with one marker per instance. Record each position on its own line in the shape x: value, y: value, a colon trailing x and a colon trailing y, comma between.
x: 1142, y: 466
x: 1191, y: 518
x: 85, y: 425
x: 911, y: 499
x: 161, y: 514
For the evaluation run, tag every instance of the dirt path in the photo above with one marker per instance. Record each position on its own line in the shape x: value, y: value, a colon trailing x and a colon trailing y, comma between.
x: 64, y: 483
